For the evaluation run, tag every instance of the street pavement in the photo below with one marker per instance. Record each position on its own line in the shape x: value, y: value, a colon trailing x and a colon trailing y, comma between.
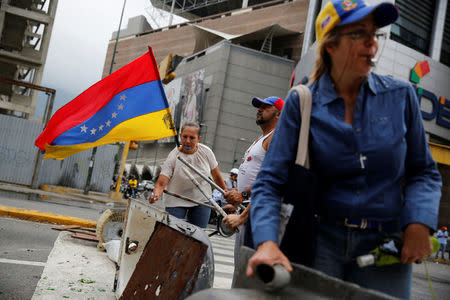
x: 440, y: 281
x: 223, y: 249
x: 85, y: 210
x: 25, y: 246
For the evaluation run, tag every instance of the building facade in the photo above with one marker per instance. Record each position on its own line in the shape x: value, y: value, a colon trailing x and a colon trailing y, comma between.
x: 180, y: 39
x: 229, y: 56
x: 25, y: 30
x: 221, y: 81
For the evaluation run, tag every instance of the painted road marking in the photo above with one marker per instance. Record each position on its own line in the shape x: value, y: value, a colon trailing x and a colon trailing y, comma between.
x: 22, y: 262
x: 223, y: 249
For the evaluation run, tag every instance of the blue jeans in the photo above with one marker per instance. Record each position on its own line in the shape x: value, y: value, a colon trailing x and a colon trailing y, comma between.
x: 197, y: 215
x: 336, y: 253
x: 441, y: 248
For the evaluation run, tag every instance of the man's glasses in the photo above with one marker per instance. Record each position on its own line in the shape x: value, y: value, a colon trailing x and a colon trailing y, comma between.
x: 362, y: 35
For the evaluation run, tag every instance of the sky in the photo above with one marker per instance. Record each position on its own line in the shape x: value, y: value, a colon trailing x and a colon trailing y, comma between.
x: 80, y: 36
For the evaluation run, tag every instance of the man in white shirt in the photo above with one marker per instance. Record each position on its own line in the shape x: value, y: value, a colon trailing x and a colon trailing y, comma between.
x: 269, y: 110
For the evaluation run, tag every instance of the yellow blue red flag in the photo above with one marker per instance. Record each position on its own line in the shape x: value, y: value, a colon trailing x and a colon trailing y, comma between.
x: 129, y: 104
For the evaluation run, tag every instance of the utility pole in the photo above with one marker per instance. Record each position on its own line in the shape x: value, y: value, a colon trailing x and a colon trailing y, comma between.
x: 94, y: 150
x: 235, y: 150
x: 171, y: 13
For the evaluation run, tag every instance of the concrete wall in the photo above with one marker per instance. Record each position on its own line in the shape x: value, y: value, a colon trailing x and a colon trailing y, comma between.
x: 18, y: 156
x: 17, y: 150
x: 135, y: 25
x: 73, y: 170
x: 233, y: 76
x: 249, y: 74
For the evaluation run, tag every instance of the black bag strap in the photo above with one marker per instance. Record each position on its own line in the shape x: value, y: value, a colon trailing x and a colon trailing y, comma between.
x: 305, y: 99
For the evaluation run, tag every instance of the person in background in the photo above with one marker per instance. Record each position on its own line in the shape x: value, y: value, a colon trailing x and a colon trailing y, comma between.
x: 175, y: 179
x: 132, y: 183
x: 231, y: 182
x: 376, y: 175
x: 442, y: 236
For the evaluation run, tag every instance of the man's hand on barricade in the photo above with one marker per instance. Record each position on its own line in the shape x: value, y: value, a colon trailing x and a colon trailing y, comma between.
x: 234, y: 197
x: 270, y: 254
x: 233, y: 221
x: 229, y: 209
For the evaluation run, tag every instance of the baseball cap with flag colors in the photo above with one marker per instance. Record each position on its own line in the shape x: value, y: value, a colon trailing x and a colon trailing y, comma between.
x: 275, y: 101
x: 348, y: 11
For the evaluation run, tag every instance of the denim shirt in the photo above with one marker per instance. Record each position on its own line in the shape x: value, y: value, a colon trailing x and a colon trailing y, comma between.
x: 379, y: 168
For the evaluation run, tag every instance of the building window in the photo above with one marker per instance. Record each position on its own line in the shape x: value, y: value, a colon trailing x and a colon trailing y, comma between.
x: 414, y: 26
x: 287, y: 53
x: 445, y: 50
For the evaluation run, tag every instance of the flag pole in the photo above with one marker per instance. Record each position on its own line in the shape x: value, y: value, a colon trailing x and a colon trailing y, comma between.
x: 94, y: 151
x: 116, y: 194
x: 171, y: 122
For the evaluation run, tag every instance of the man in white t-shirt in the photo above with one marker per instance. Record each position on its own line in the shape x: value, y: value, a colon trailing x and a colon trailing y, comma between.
x: 269, y: 110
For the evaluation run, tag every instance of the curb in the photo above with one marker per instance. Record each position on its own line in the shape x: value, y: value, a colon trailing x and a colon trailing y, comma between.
x: 49, y: 191
x: 92, y: 196
x: 69, y: 190
x: 38, y: 216
x: 442, y: 261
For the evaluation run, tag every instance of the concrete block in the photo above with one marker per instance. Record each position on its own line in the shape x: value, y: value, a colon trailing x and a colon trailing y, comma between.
x: 68, y: 264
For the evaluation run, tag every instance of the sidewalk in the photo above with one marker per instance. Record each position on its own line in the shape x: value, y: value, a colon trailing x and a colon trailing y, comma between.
x: 76, y: 269
x: 58, y: 192
x: 61, y: 195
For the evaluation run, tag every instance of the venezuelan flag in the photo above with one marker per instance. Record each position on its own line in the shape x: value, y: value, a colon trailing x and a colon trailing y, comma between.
x: 129, y: 104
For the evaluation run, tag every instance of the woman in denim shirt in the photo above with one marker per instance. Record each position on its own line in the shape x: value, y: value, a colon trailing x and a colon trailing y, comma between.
x: 377, y: 178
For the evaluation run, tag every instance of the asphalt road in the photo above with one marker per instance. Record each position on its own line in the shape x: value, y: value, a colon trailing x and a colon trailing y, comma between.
x: 25, y: 246
x: 440, y: 281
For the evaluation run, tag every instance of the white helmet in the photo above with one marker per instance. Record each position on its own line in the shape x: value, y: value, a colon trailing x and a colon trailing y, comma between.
x: 234, y: 171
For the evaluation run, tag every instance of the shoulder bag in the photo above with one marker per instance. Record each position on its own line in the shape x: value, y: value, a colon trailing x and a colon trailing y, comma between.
x: 298, y: 222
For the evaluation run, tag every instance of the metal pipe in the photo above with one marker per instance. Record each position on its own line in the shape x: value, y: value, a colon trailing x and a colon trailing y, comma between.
x: 274, y: 277
x: 216, y: 206
x: 117, y: 38
x: 171, y: 13
x: 201, y: 175
x: 87, y: 185
x: 212, y: 183
x: 187, y: 199
x: 126, y: 148
x: 39, y: 155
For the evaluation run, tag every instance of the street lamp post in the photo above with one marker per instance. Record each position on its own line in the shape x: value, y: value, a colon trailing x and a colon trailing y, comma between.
x: 87, y: 186
x: 235, y: 150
